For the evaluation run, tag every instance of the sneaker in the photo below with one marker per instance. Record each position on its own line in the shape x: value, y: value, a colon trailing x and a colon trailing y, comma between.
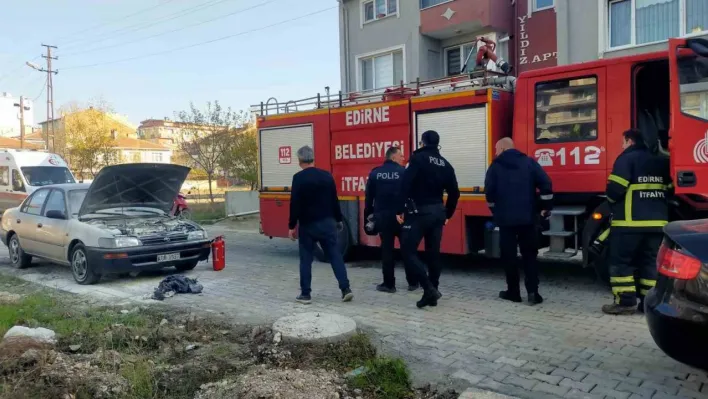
x: 535, y: 298
x: 619, y: 310
x: 347, y: 295
x: 429, y: 299
x: 414, y: 287
x: 386, y: 289
x: 304, y: 299
x: 508, y: 296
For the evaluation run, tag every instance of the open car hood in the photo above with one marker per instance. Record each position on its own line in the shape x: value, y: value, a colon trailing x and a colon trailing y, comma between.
x: 131, y: 185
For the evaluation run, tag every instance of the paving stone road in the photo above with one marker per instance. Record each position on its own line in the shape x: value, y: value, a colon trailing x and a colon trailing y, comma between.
x: 563, y: 348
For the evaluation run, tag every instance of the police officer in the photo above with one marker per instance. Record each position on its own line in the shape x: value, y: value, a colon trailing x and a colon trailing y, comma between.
x: 423, y: 214
x: 638, y: 191
x: 382, y: 190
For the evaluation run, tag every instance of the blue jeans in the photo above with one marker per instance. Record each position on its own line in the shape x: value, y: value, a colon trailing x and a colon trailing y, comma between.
x: 325, y: 232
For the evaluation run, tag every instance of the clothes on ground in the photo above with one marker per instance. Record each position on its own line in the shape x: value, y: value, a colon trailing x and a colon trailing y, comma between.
x: 313, y: 197
x: 178, y: 284
x: 510, y: 188
x: 323, y: 231
x: 428, y: 176
x: 638, y: 189
x: 632, y: 264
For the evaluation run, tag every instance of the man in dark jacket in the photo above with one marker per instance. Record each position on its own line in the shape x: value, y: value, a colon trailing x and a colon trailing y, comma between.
x: 314, y: 209
x: 510, y: 187
x: 637, y: 189
x: 382, y: 191
x: 426, y: 178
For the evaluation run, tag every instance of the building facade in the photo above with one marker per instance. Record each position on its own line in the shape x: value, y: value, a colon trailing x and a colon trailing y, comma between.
x: 10, y: 115
x: 384, y: 42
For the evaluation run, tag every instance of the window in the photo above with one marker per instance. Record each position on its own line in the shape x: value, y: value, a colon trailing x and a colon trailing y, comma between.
x: 157, y: 157
x: 456, y: 56
x: 539, y: 5
x: 693, y: 80
x: 4, y: 176
x: 45, y: 175
x: 635, y: 22
x: 17, y: 183
x: 380, y: 71
x: 566, y: 110
x: 431, y: 3
x: 76, y: 198
x: 55, y: 203
x: 34, y: 205
x: 377, y: 9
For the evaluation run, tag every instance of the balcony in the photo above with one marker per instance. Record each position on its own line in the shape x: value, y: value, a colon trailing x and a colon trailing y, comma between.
x: 451, y: 18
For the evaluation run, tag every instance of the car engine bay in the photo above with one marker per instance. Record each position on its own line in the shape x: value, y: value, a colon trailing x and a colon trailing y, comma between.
x: 144, y: 227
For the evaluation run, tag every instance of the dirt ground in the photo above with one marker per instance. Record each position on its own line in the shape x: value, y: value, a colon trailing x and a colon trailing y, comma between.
x: 155, y: 352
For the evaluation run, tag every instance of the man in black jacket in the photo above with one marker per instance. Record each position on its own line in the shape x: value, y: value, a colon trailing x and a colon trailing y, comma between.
x: 637, y: 189
x: 510, y: 187
x: 382, y: 191
x: 314, y: 209
x: 426, y: 178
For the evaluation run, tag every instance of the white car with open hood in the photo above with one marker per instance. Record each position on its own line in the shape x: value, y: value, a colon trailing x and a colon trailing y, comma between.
x: 119, y: 223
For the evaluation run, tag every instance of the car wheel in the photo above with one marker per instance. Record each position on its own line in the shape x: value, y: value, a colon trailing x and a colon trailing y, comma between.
x: 82, y: 270
x: 18, y: 257
x: 183, y: 267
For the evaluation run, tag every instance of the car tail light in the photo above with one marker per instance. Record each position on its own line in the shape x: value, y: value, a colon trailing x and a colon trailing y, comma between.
x: 674, y: 264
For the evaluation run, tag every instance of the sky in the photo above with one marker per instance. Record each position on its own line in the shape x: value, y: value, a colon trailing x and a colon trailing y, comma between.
x: 291, y: 60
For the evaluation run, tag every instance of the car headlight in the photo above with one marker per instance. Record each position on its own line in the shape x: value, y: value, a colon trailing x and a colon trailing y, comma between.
x: 118, y: 242
x: 196, y: 235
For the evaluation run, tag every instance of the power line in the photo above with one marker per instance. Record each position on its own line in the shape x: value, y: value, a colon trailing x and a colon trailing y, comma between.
x: 172, y: 31
x: 200, y: 43
x: 12, y: 72
x: 144, y: 25
x: 116, y: 19
x: 44, y: 86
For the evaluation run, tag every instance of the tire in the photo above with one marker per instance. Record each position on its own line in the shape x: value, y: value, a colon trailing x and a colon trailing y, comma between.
x: 18, y: 258
x: 81, y: 269
x: 343, y: 245
x: 185, y: 214
x: 187, y: 266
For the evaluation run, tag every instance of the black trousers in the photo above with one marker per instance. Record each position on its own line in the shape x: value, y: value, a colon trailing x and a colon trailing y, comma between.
x: 426, y: 224
x: 390, y: 229
x: 525, y: 237
x: 633, y: 264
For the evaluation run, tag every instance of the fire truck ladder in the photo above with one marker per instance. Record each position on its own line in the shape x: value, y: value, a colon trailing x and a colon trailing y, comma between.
x: 558, y: 233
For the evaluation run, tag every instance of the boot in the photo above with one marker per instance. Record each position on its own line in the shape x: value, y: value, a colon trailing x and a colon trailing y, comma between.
x: 619, y: 310
x: 430, y: 298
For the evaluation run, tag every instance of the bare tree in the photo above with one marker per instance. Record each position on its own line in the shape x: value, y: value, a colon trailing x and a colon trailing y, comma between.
x: 241, y: 158
x: 206, y: 136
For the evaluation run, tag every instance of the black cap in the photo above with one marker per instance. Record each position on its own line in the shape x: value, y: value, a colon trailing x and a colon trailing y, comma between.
x: 431, y: 138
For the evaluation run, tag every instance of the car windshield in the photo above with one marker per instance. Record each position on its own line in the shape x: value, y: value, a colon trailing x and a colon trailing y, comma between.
x: 76, y: 197
x: 45, y: 175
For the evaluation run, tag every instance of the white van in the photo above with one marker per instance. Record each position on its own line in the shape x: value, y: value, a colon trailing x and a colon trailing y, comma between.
x: 23, y: 171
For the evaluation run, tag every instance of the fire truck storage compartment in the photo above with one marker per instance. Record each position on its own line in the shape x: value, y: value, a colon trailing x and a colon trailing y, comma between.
x: 277, y: 207
x: 463, y: 140
x: 278, y: 147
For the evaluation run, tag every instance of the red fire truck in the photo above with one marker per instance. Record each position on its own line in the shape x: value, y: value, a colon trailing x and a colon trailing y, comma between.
x: 571, y: 118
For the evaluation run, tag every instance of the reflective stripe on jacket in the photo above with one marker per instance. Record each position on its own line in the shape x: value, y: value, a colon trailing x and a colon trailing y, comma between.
x: 638, y: 189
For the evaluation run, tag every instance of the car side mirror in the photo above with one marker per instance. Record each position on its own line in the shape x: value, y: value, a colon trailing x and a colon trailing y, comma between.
x: 53, y: 214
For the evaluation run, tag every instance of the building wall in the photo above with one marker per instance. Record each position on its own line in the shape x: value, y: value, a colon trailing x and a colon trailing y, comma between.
x: 128, y: 155
x: 535, y: 37
x: 372, y: 37
x: 10, y: 115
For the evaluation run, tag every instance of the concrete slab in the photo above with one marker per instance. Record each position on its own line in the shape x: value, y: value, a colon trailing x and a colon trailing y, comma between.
x: 315, y: 327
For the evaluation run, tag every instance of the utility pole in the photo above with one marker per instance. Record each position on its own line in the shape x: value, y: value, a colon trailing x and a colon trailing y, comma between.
x: 22, y: 121
x: 50, y: 93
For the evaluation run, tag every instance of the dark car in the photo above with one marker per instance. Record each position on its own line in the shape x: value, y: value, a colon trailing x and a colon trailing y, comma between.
x: 677, y: 308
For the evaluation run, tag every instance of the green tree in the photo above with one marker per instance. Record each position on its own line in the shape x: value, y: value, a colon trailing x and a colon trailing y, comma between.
x: 241, y: 159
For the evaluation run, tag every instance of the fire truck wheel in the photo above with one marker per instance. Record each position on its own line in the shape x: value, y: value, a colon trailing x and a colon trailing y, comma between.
x: 343, y: 244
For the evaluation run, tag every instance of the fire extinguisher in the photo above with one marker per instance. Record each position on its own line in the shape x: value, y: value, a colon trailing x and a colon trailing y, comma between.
x: 218, y: 253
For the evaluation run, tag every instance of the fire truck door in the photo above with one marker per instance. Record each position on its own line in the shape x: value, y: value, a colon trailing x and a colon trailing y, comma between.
x: 688, y: 143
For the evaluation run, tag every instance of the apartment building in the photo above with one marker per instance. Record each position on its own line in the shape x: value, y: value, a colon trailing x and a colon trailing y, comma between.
x: 10, y: 115
x: 385, y: 41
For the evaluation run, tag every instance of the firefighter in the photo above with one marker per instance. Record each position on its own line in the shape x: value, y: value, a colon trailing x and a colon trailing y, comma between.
x: 638, y: 189
x: 485, y: 54
x: 423, y: 212
x: 382, y: 190
x: 510, y: 188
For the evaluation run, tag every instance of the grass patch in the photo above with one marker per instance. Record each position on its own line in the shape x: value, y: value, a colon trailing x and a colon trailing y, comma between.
x: 385, y: 378
x: 207, y: 212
